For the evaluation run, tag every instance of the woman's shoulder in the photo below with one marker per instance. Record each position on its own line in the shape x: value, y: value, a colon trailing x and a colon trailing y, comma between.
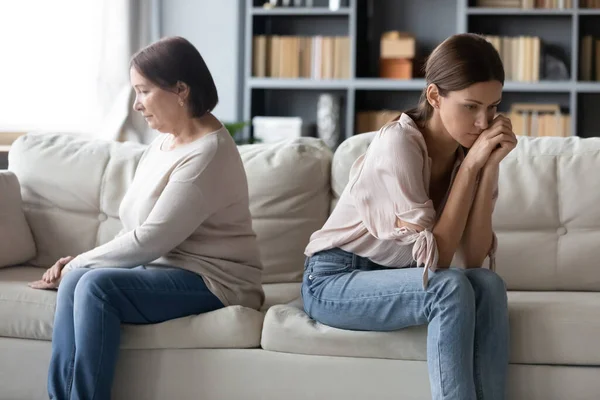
x: 401, y: 134
x: 213, y: 154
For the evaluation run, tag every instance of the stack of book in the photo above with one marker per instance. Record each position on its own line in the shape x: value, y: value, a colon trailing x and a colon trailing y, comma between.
x: 315, y: 57
x: 589, y: 65
x: 369, y: 121
x: 520, y: 56
x: 589, y: 3
x: 527, y: 4
x: 531, y: 119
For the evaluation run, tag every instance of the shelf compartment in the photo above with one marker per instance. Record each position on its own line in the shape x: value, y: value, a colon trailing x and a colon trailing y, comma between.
x: 300, y: 11
x: 588, y: 118
x: 519, y: 11
x: 295, y: 103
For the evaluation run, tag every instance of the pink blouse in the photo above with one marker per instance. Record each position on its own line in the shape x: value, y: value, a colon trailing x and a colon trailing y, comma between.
x: 389, y: 183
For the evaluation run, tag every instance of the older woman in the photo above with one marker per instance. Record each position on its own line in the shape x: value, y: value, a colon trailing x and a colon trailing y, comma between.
x: 187, y: 245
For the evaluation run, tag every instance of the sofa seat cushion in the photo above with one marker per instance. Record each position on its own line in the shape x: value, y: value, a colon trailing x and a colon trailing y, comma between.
x: 280, y: 293
x: 29, y: 314
x: 559, y: 328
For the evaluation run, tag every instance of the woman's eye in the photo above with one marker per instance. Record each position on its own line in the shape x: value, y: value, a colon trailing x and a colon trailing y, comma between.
x: 470, y: 106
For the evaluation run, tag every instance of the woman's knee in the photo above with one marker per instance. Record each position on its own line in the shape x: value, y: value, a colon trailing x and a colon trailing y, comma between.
x: 69, y: 282
x: 452, y: 286
x: 96, y: 283
x: 487, y: 283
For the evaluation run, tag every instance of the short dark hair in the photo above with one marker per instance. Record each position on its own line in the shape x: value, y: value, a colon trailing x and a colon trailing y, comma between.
x: 174, y: 59
x: 455, y: 64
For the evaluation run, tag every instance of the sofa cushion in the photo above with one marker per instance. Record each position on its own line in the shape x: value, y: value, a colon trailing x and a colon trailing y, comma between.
x: 29, y: 314
x: 280, y: 293
x: 72, y: 188
x: 547, y: 218
x: 346, y: 154
x: 546, y: 328
x: 289, y: 200
x: 16, y: 241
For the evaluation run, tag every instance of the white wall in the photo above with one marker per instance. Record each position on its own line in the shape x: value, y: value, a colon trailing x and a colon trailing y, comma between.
x: 215, y: 27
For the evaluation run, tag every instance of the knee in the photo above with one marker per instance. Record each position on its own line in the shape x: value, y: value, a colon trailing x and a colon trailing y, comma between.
x: 68, y: 284
x: 453, y: 288
x: 487, y: 283
x: 94, y: 284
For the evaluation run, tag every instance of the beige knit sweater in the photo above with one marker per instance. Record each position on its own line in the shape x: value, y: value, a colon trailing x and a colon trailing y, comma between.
x: 189, y: 208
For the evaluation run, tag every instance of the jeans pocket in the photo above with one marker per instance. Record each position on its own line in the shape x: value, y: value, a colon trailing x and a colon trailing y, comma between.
x: 323, y: 268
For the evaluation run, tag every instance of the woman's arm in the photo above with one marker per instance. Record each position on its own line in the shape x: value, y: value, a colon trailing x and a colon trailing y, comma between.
x: 178, y: 212
x: 477, y: 239
x: 452, y: 222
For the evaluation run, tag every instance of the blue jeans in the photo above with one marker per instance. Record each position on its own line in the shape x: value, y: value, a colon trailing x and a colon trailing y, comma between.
x: 466, y: 312
x: 90, y: 307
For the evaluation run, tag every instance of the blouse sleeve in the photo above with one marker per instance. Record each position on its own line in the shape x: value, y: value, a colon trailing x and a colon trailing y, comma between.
x: 387, y: 185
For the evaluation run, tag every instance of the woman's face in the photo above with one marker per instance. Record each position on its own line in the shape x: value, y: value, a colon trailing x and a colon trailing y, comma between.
x: 159, y: 107
x: 466, y: 113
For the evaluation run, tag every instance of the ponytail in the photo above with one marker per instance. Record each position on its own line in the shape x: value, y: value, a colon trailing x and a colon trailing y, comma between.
x: 422, y: 112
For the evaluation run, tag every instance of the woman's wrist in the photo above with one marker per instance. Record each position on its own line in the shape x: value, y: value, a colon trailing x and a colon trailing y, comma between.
x: 490, y: 168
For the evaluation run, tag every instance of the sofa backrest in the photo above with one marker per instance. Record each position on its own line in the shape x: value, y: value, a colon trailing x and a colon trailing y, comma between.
x: 72, y: 187
x: 547, y: 217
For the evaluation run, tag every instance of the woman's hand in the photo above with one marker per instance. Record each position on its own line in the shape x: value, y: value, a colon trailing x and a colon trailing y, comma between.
x: 51, y: 278
x: 507, y: 145
x: 497, y: 140
x: 44, y: 285
x: 53, y: 273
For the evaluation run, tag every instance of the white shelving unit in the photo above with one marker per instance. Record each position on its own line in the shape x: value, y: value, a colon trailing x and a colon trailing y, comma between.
x: 364, y: 20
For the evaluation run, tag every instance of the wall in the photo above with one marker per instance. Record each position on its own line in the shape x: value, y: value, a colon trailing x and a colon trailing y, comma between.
x: 215, y: 27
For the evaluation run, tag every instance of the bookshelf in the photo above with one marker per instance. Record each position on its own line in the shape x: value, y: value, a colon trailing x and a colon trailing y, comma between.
x: 560, y: 32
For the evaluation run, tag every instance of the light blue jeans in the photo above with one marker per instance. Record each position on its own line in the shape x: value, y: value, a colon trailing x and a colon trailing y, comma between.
x: 466, y: 312
x: 90, y: 307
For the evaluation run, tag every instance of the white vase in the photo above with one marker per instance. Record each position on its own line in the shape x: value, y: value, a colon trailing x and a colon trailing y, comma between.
x: 328, y: 119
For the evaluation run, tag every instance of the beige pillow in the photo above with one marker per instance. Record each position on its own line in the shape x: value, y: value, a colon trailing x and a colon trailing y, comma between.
x: 16, y: 240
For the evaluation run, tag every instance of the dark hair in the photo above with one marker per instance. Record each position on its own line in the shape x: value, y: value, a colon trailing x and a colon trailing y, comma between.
x: 173, y: 59
x: 455, y: 64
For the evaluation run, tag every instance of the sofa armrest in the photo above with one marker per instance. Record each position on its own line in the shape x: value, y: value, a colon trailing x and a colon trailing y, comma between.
x: 16, y: 240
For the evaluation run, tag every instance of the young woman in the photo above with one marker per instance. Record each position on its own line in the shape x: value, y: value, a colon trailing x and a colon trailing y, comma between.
x: 187, y: 246
x: 423, y: 192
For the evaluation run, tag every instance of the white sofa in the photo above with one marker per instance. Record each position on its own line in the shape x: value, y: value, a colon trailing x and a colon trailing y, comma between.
x: 547, y: 219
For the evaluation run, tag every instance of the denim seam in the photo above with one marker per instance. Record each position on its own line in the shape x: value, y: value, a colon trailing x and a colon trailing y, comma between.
x: 71, y: 370
x: 101, y: 351
x: 370, y: 297
x: 440, y: 370
x: 437, y: 301
x: 101, y: 343
x: 478, y: 387
x: 186, y: 292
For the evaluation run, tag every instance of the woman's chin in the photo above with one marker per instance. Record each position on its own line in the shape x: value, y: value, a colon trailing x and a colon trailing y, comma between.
x: 468, y: 140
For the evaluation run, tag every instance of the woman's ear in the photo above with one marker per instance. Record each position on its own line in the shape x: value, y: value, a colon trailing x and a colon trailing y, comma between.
x: 433, y: 95
x: 183, y: 90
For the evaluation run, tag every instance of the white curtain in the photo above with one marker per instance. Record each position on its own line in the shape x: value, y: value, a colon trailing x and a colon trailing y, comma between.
x: 127, y: 26
x: 48, y: 66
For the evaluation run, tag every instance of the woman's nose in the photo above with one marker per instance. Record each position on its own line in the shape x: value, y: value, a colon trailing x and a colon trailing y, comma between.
x: 482, y: 122
x: 137, y: 106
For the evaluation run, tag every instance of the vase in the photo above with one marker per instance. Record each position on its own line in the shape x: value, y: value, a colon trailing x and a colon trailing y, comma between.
x: 328, y: 119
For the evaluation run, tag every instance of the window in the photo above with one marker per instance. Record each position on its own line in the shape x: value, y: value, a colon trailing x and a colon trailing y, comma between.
x: 49, y: 65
